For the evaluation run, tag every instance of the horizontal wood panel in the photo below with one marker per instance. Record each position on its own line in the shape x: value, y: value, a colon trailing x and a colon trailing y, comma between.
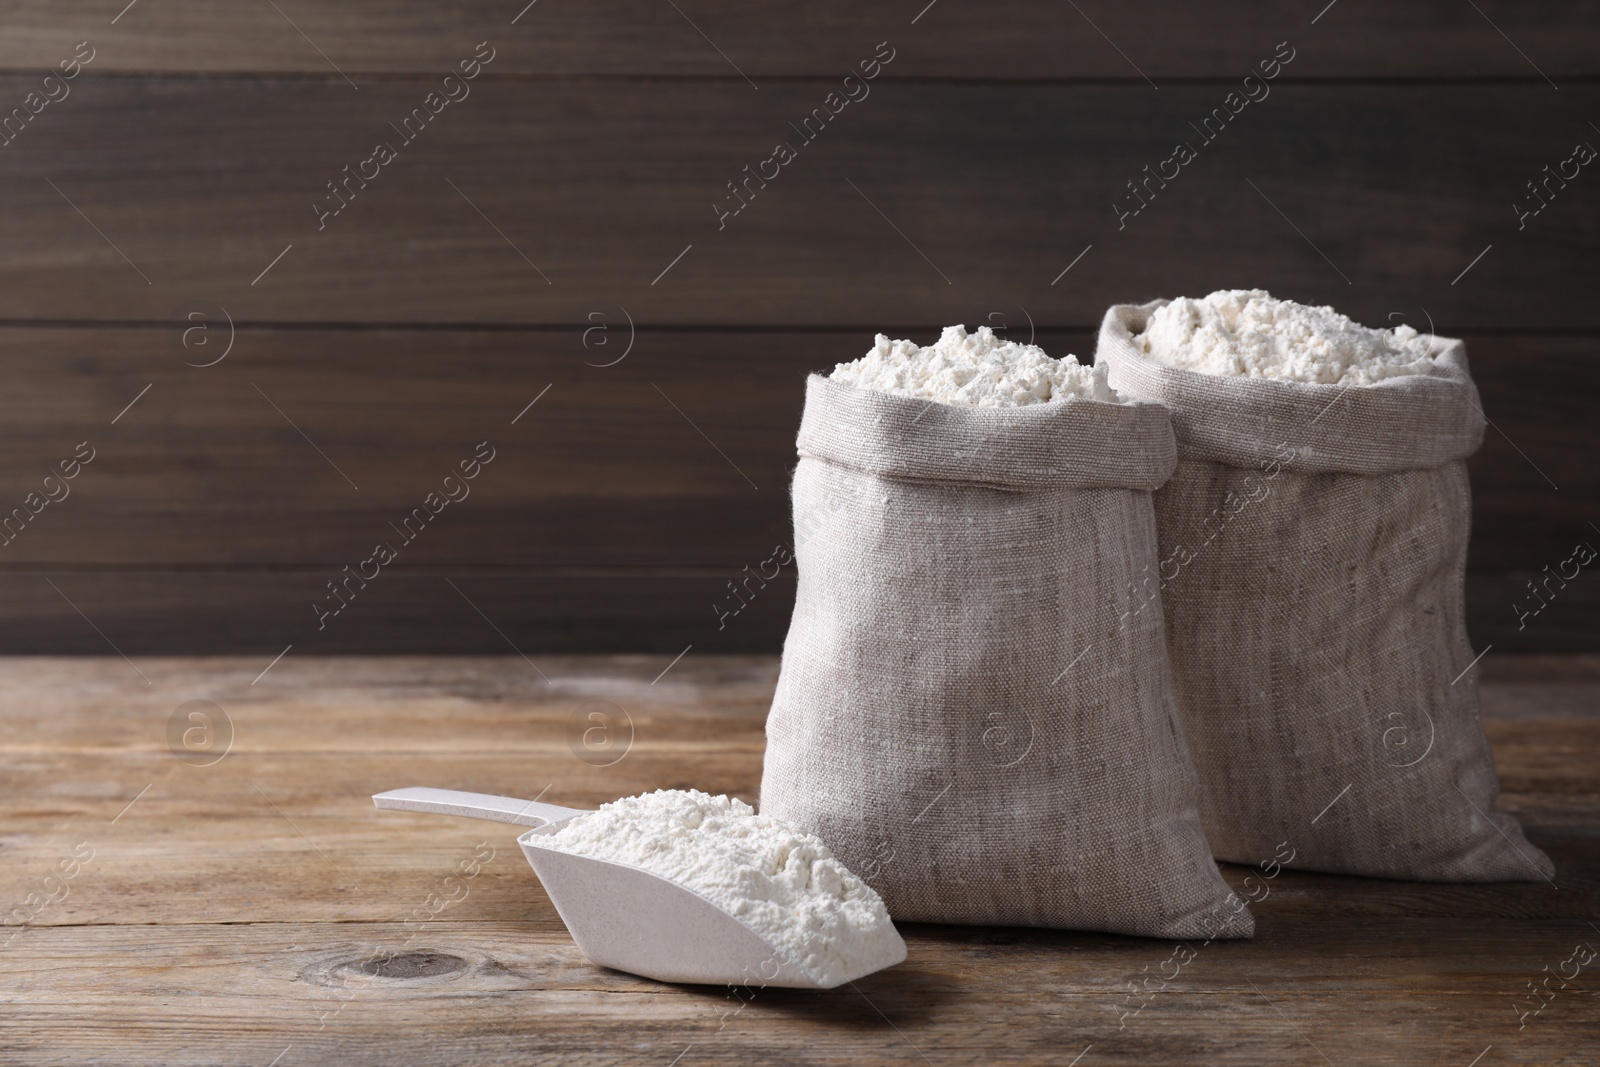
x: 1531, y: 506
x: 921, y: 203
x: 1005, y: 39
x: 614, y: 466
x: 256, y: 613
x: 678, y: 456
x: 149, y: 612
x: 1504, y: 611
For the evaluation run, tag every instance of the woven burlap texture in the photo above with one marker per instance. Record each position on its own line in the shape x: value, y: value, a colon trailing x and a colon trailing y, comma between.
x: 965, y: 713
x: 1313, y: 544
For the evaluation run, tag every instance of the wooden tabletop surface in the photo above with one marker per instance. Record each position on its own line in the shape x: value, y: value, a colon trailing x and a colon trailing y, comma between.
x: 168, y: 906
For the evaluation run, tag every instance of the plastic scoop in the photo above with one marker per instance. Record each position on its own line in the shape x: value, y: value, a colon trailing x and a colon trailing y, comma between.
x: 621, y: 916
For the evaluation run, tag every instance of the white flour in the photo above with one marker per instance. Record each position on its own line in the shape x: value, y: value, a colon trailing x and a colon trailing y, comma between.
x: 1247, y: 333
x: 973, y: 370
x: 782, y: 883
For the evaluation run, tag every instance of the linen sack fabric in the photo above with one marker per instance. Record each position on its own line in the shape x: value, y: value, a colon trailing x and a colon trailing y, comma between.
x: 964, y: 713
x: 1313, y: 543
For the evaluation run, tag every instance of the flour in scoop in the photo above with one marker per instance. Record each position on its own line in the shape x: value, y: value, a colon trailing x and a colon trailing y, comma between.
x: 1247, y: 333
x: 973, y: 370
x: 782, y: 883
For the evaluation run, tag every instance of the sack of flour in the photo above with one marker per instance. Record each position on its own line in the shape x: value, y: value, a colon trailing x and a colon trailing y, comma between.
x: 1313, y: 540
x: 965, y: 713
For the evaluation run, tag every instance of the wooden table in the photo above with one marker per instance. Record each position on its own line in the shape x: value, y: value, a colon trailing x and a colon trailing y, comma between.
x: 254, y: 910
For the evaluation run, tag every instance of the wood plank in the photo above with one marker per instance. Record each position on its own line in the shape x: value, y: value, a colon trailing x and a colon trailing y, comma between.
x: 222, y: 612
x: 207, y: 470
x: 1529, y: 508
x: 254, y: 824
x: 605, y: 186
x: 206, y: 522
x: 1549, y: 674
x: 1002, y: 39
x: 207, y: 919
x: 1501, y: 611
x: 287, y: 805
x: 519, y: 993
x: 260, y: 612
x: 210, y: 467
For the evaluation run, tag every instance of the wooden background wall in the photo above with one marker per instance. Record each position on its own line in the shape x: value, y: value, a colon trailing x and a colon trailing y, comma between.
x: 501, y: 256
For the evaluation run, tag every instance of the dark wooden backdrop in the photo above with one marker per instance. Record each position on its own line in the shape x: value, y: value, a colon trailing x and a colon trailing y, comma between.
x: 164, y: 209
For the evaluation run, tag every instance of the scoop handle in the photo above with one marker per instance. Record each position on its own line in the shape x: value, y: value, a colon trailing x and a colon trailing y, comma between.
x: 474, y: 806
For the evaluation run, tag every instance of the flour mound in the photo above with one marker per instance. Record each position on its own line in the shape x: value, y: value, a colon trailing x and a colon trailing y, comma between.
x: 781, y: 882
x: 1249, y: 334
x: 973, y: 370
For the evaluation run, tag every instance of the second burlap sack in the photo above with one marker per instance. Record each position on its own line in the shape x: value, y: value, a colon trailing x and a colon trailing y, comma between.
x: 1313, y: 543
x: 964, y: 713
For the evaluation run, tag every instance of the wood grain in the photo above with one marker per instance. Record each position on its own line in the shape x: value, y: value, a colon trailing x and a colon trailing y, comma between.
x: 597, y: 189
x: 1000, y: 39
x: 314, y: 738
x: 149, y: 612
x: 211, y: 468
x: 1505, y: 613
x: 613, y: 516
x: 574, y: 187
x: 259, y: 903
x: 519, y: 993
x: 690, y: 437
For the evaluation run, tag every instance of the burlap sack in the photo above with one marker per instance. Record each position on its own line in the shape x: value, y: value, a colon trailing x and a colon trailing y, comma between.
x: 964, y: 715
x: 1313, y: 540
